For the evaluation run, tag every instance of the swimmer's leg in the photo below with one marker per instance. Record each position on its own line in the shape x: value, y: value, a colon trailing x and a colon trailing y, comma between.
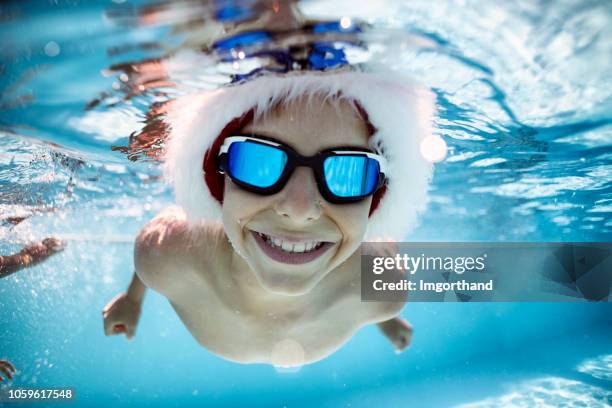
x: 29, y: 256
x: 398, y: 331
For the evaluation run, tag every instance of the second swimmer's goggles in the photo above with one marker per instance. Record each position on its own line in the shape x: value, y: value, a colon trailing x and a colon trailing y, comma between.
x: 263, y: 165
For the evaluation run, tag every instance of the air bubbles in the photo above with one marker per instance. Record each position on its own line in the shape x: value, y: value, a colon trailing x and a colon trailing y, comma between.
x: 52, y: 49
x: 433, y: 148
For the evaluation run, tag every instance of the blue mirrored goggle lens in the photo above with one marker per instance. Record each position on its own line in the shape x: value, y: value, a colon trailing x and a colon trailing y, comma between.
x: 255, y: 164
x: 351, y: 176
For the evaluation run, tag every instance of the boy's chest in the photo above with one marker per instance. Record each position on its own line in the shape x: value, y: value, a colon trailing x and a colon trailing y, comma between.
x: 281, y: 336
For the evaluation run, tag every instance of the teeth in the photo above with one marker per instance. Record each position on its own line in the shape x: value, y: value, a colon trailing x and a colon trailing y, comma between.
x: 291, y: 247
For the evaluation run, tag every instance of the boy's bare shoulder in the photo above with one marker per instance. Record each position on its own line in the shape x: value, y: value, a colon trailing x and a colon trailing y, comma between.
x: 169, y: 243
x: 170, y: 233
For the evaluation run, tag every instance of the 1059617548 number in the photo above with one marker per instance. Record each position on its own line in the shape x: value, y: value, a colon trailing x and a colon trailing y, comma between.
x: 36, y: 394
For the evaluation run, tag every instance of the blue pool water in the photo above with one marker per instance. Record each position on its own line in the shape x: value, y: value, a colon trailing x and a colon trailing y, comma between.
x: 524, y: 106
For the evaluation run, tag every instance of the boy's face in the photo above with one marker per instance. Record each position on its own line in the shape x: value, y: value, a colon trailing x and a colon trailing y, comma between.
x: 298, y: 217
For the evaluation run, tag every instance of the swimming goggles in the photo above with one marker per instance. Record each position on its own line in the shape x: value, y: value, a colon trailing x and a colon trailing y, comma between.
x: 263, y: 165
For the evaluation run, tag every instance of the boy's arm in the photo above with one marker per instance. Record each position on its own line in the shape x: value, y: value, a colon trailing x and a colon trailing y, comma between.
x: 121, y: 314
x: 155, y: 254
x: 136, y: 290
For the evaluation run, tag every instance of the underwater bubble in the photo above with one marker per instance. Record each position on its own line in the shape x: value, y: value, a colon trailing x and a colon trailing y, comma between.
x: 52, y: 49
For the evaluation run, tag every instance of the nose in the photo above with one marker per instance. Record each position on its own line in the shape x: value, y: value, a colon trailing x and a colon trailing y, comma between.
x: 299, y: 200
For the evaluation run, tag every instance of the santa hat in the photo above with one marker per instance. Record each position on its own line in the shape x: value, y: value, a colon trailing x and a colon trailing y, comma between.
x: 400, y: 111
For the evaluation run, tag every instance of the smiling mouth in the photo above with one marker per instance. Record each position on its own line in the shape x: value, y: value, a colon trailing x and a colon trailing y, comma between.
x: 292, y: 252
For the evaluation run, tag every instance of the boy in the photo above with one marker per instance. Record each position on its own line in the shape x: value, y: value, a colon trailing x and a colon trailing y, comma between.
x: 279, y: 180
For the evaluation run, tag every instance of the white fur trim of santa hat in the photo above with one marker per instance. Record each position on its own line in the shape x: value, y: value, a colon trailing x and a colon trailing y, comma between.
x: 400, y: 110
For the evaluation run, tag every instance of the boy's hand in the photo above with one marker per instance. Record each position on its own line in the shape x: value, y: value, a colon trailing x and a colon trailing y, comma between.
x: 121, y: 316
x: 398, y: 331
x: 7, y: 369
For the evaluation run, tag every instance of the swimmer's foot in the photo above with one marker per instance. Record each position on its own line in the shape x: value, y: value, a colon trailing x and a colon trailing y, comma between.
x: 398, y: 331
x: 7, y: 369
